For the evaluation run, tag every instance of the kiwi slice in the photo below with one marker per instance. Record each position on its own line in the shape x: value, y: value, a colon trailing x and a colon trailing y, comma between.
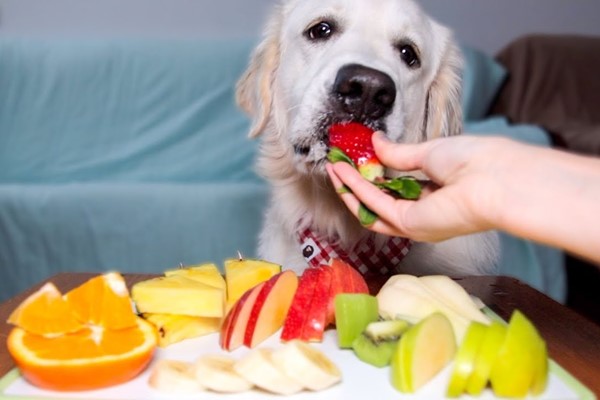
x: 377, y: 342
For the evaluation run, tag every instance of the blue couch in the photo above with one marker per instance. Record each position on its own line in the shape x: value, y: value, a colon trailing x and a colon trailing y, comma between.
x: 131, y: 155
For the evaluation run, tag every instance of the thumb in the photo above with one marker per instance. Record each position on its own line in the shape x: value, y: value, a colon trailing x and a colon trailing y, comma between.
x: 400, y: 156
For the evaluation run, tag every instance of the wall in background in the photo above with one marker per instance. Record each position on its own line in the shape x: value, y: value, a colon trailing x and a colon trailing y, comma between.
x: 486, y: 24
x: 491, y: 24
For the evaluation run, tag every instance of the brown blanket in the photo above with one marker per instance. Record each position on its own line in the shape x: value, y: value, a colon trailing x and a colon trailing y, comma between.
x: 554, y: 81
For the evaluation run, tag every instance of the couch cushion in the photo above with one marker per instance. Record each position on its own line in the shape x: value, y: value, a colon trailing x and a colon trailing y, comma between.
x: 482, y: 78
x: 122, y: 110
x: 143, y: 110
x: 143, y: 228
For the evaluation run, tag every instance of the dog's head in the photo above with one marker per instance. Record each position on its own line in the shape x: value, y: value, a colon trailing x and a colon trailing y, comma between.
x: 383, y: 63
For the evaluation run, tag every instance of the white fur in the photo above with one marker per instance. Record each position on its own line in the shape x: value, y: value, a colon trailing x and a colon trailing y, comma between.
x: 285, y: 91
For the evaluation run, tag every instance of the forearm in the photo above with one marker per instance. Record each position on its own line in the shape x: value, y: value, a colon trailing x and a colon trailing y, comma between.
x: 555, y: 200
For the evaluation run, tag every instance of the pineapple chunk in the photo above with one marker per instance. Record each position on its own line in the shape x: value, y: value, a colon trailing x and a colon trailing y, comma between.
x: 177, y: 294
x: 205, y: 273
x: 175, y: 328
x: 241, y: 275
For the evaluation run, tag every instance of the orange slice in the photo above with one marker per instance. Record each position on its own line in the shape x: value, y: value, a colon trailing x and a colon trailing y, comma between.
x: 103, y: 301
x: 45, y: 312
x: 96, y: 339
x: 88, y: 359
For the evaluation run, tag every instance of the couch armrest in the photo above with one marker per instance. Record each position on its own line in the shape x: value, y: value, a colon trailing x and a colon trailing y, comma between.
x: 553, y: 82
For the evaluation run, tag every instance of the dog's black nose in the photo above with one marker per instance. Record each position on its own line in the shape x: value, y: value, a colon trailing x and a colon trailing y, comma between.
x: 363, y: 92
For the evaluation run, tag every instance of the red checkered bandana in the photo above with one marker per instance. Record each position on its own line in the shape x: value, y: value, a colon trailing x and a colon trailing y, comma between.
x: 363, y: 256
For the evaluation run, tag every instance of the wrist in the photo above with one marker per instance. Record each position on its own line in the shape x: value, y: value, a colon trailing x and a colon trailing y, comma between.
x: 557, y: 195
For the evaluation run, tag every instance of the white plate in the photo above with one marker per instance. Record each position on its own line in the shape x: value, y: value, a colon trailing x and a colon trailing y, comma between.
x: 360, y: 380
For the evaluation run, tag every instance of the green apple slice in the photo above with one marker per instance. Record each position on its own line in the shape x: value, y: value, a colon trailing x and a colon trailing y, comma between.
x: 488, y: 351
x: 353, y: 312
x: 540, y: 377
x: 423, y: 351
x: 465, y: 359
x: 519, y: 359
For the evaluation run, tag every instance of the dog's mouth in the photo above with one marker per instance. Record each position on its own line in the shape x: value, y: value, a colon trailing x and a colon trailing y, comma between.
x: 318, y: 141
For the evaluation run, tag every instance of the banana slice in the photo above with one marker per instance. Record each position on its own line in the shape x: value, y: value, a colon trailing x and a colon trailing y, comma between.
x: 307, y: 365
x: 216, y: 373
x: 174, y: 377
x: 258, y: 368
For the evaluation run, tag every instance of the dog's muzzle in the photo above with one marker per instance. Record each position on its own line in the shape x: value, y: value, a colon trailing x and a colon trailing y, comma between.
x: 362, y: 94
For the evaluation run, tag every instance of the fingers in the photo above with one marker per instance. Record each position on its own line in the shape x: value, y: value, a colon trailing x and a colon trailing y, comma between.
x: 403, y: 157
x: 445, y: 208
x: 385, y: 206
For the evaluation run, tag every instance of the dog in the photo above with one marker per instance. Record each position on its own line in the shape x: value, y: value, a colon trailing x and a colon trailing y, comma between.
x: 383, y: 63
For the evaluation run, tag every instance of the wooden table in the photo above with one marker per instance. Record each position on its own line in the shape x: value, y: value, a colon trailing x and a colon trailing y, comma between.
x: 573, y: 341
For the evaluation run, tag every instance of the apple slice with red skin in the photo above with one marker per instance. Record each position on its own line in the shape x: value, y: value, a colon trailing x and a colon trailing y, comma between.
x: 357, y: 284
x: 344, y: 279
x: 233, y: 329
x: 316, y: 316
x: 337, y: 282
x: 296, y: 317
x: 270, y: 308
x: 313, y: 306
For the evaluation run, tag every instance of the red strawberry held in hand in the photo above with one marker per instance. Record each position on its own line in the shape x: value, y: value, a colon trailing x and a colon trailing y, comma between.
x: 354, y: 140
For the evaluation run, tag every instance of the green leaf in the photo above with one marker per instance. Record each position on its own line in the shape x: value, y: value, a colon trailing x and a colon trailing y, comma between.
x: 412, y: 189
x: 336, y: 154
x: 404, y: 186
x: 366, y: 216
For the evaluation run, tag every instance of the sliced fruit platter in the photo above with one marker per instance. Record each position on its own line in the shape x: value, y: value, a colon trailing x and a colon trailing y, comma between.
x: 259, y: 330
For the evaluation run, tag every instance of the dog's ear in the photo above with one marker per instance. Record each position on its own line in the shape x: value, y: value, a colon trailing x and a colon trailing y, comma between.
x: 443, y: 109
x: 254, y: 92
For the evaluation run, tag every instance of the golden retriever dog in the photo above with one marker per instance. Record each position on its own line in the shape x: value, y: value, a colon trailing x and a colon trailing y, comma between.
x: 382, y: 63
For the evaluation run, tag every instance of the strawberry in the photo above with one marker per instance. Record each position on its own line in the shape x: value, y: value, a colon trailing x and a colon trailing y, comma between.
x: 351, y: 143
x: 354, y: 140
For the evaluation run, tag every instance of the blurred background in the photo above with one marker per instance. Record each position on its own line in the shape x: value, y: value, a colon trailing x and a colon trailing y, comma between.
x: 487, y: 25
x: 555, y: 74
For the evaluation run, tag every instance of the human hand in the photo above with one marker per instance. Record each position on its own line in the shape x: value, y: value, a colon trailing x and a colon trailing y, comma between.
x: 461, y: 199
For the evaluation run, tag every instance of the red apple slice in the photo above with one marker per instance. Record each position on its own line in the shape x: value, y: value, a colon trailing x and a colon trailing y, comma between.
x: 345, y: 279
x: 353, y: 280
x: 270, y: 308
x: 316, y: 315
x: 296, y: 316
x: 336, y: 287
x: 225, y: 330
x: 234, y: 325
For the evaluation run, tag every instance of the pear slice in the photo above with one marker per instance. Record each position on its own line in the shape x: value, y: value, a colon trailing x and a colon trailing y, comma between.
x: 464, y: 361
x: 407, y: 297
x: 455, y: 296
x: 423, y: 351
x: 488, y: 351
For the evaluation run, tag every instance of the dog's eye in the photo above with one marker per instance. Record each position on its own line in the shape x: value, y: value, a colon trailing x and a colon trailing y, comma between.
x: 320, y: 31
x: 409, y: 55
